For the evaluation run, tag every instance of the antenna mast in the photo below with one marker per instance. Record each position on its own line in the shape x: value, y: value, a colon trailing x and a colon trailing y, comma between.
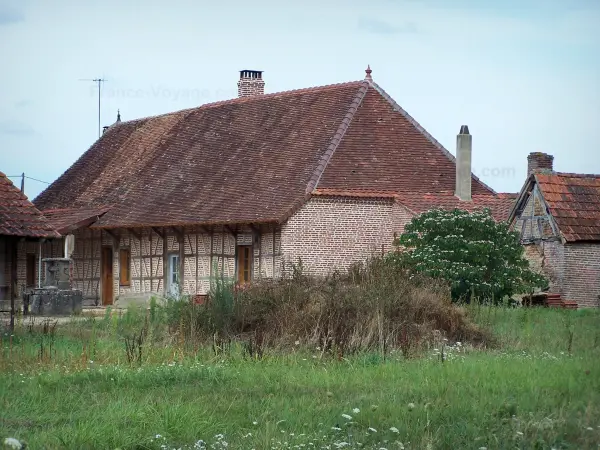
x: 99, y: 81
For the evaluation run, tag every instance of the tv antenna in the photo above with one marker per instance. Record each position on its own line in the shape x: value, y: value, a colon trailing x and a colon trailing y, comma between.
x: 99, y: 81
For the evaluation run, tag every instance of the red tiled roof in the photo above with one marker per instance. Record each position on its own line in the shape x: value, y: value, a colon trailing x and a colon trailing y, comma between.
x: 384, y: 148
x: 574, y: 203
x: 65, y: 220
x: 499, y: 206
x: 254, y: 159
x: 18, y: 216
x: 248, y: 160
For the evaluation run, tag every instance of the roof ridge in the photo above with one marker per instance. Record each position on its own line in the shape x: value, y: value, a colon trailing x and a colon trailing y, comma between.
x: 337, y: 137
x: 574, y: 175
x: 245, y: 99
x: 421, y: 129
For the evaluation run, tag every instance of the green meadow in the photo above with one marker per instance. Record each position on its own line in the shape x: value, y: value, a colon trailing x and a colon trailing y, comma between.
x: 77, y: 386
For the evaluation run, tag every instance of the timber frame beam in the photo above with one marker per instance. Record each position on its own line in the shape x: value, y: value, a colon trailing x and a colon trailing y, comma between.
x: 112, y: 234
x: 137, y: 235
x: 158, y: 232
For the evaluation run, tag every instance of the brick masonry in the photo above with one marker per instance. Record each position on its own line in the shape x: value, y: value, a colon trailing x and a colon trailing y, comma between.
x: 334, y: 232
x: 582, y: 274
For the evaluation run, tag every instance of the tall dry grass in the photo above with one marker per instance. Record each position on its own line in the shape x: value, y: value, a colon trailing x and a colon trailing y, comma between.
x: 372, y: 307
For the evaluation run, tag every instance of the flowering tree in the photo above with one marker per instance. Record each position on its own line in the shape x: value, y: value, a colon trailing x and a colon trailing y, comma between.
x: 475, y: 254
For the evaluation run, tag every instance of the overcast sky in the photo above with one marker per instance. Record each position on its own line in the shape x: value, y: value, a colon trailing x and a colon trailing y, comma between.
x: 523, y: 74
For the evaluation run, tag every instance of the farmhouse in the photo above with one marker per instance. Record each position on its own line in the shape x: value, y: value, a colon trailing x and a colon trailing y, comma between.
x: 558, y: 216
x: 244, y: 188
x: 23, y: 228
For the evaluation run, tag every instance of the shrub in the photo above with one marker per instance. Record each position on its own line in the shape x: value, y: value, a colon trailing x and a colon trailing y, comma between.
x: 371, y: 307
x: 476, y: 255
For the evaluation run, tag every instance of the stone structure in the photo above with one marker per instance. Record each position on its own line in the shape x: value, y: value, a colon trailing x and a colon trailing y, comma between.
x: 55, y: 297
x: 558, y: 217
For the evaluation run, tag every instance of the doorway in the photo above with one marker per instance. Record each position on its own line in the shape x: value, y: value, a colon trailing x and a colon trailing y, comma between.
x: 244, y: 264
x: 107, y: 275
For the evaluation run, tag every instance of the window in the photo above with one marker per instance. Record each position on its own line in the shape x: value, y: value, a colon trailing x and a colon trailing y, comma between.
x: 244, y: 263
x: 30, y: 268
x: 173, y: 280
x: 124, y: 267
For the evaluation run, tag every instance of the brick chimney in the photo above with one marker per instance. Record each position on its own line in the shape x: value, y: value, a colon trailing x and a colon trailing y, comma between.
x: 464, y: 143
x: 539, y: 160
x: 251, y: 83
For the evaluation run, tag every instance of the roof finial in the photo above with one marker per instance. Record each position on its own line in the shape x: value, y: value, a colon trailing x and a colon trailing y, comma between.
x: 118, y: 115
x: 368, y: 72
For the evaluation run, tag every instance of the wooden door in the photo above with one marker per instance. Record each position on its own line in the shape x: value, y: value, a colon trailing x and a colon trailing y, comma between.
x: 244, y: 261
x: 107, y: 275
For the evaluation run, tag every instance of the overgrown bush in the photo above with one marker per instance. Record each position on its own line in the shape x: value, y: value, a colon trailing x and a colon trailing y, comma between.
x: 479, y: 257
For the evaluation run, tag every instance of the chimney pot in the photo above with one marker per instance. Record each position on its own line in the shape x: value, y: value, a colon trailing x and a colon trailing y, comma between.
x: 538, y: 161
x: 250, y: 83
x: 464, y: 148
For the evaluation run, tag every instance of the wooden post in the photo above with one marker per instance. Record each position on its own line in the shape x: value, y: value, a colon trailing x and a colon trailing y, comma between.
x: 165, y: 262
x: 12, y: 251
x: 181, y: 238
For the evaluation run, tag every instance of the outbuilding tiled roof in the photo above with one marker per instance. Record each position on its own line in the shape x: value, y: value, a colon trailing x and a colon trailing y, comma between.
x: 18, y: 216
x: 65, y: 220
x: 255, y: 159
x: 574, y: 202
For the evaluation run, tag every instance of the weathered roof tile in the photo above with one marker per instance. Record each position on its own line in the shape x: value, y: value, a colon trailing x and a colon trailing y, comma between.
x: 18, y: 216
x: 574, y: 202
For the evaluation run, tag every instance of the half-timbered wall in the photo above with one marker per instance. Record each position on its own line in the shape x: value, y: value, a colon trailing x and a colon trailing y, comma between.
x: 534, y: 222
x: 204, y: 255
x: 86, y: 264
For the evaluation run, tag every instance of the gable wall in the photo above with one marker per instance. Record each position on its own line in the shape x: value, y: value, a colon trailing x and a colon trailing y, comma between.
x: 534, y: 223
x: 333, y: 232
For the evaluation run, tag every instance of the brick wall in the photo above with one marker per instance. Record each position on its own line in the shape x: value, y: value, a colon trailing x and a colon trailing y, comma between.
x: 573, y: 269
x: 329, y: 232
x: 582, y: 274
x: 547, y: 257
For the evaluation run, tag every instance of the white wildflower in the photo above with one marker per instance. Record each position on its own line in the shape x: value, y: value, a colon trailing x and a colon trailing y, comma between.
x: 372, y: 430
x: 336, y: 428
x: 347, y: 416
x: 411, y: 406
x: 590, y: 429
x: 394, y: 430
x: 12, y: 443
x: 356, y: 410
x: 255, y: 423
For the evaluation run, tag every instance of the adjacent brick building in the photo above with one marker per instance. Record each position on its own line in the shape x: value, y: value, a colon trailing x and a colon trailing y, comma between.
x: 21, y: 226
x: 243, y: 188
x: 558, y: 216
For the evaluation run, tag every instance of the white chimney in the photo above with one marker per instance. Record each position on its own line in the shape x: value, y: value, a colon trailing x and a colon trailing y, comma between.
x: 464, y: 145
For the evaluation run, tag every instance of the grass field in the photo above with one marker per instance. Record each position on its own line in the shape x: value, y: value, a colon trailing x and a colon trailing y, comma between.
x: 539, y: 388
